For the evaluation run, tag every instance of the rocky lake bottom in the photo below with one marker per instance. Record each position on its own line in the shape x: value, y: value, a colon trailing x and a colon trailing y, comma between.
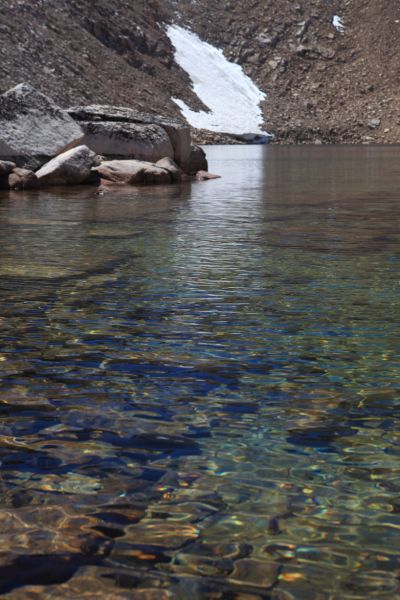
x: 199, y: 383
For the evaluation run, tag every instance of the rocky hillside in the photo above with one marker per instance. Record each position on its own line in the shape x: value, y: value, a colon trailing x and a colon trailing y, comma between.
x: 84, y: 51
x: 322, y: 84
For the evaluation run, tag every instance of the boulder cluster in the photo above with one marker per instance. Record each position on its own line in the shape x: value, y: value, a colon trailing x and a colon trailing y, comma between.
x: 44, y: 145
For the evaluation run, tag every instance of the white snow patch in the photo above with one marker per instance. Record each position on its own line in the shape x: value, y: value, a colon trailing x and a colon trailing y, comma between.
x: 338, y: 23
x: 231, y: 96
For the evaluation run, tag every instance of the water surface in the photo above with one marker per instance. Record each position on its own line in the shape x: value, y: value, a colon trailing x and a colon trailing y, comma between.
x: 199, y: 388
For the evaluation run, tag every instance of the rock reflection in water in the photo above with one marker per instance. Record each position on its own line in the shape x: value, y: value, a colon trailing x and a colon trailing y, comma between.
x: 199, y: 384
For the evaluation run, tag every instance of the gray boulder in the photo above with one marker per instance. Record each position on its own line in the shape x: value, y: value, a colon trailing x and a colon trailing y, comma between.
x: 72, y: 167
x: 127, y: 140
x: 177, y: 131
x: 133, y: 172
x: 33, y: 128
x: 22, y: 179
x: 197, y: 160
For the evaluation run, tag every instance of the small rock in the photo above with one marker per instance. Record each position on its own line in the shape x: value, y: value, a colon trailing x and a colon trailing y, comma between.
x: 205, y: 176
x: 158, y: 533
x: 6, y: 167
x: 23, y: 179
x: 171, y: 167
x: 374, y: 123
x: 254, y: 572
x: 367, y: 139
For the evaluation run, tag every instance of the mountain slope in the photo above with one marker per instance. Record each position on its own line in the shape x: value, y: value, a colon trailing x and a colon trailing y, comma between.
x: 108, y: 51
x: 321, y: 84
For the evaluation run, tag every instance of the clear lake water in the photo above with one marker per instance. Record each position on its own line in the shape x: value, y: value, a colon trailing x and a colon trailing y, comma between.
x: 200, y: 383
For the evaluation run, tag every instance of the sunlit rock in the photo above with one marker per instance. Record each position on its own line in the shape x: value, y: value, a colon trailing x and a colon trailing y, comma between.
x: 110, y: 118
x: 127, y: 140
x: 70, y: 168
x: 33, y: 128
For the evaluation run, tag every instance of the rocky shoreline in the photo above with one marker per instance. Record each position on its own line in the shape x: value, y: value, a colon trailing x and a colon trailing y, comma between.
x: 43, y: 145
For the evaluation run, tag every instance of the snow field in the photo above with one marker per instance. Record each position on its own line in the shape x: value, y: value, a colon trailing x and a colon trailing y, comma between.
x: 232, y: 97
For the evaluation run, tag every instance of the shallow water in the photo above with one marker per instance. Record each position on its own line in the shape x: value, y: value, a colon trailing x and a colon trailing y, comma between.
x: 200, y: 384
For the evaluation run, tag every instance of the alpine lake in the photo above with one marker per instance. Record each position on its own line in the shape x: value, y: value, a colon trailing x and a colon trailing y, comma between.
x: 200, y: 383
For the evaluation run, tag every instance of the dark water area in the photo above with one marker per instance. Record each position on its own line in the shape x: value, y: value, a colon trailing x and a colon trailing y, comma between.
x: 199, y: 384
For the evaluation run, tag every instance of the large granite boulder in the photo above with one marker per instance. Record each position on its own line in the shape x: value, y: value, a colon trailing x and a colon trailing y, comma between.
x: 127, y: 140
x: 72, y: 167
x: 32, y: 128
x: 133, y: 172
x: 177, y: 131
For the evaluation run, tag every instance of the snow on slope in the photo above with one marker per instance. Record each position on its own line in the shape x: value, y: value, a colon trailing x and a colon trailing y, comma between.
x: 231, y: 96
x: 338, y: 23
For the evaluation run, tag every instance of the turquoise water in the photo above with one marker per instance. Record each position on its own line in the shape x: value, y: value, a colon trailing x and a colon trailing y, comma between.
x: 199, y: 389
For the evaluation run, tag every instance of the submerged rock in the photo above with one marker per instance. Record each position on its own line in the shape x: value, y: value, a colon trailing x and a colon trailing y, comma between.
x: 255, y: 573
x: 70, y: 168
x: 178, y: 132
x: 33, y: 128
x: 133, y: 172
x: 22, y: 179
x: 127, y: 140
